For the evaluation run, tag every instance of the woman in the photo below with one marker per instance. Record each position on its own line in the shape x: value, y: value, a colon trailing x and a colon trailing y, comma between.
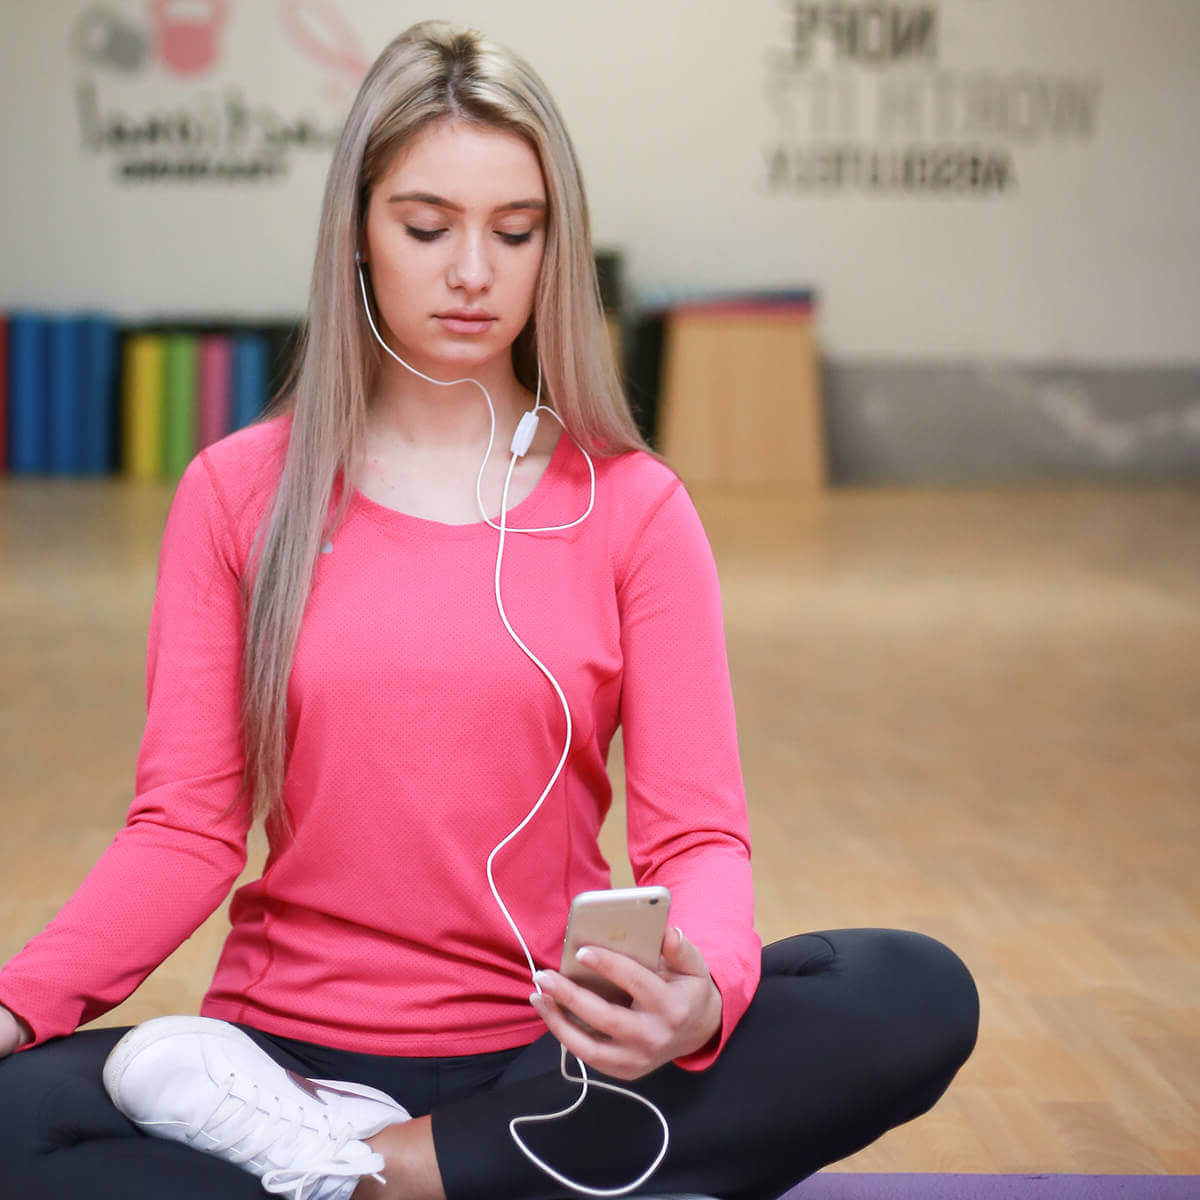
x: 336, y: 646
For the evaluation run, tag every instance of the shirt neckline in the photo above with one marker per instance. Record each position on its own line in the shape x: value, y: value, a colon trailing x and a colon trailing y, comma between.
x: 519, y: 515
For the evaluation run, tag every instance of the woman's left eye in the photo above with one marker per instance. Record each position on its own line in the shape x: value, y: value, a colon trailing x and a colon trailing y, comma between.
x: 429, y: 235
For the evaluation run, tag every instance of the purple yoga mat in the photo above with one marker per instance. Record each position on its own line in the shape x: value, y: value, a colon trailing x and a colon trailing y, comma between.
x: 834, y: 1185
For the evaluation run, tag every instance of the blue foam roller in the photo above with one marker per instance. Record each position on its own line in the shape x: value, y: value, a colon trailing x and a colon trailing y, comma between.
x: 249, y: 378
x: 99, y: 394
x: 66, y: 395
x: 28, y: 394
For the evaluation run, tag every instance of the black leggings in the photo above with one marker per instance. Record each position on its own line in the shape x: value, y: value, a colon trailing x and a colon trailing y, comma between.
x: 851, y: 1032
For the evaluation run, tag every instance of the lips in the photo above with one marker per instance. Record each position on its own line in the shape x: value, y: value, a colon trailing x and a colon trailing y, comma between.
x: 473, y: 324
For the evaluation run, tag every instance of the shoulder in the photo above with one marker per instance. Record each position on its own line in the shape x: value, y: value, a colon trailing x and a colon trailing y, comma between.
x: 249, y: 455
x: 241, y: 472
x: 636, y: 486
x: 651, y: 516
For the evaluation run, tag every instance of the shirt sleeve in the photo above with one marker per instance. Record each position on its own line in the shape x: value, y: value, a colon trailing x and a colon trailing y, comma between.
x: 184, y: 841
x: 688, y: 826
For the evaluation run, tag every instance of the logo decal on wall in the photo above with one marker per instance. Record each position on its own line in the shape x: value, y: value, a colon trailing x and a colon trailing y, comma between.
x: 185, y: 35
x: 203, y: 136
x: 863, y: 102
x: 320, y: 31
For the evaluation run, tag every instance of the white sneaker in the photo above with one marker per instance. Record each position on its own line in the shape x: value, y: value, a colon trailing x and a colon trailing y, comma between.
x: 205, y: 1083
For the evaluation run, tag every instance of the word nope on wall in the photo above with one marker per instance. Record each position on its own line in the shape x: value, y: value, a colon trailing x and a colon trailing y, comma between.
x: 864, y: 99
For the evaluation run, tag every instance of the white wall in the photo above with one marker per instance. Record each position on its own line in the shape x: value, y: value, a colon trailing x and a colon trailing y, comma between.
x: 1093, y: 255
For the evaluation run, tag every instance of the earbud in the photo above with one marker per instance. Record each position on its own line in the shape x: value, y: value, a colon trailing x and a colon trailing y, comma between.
x: 357, y: 257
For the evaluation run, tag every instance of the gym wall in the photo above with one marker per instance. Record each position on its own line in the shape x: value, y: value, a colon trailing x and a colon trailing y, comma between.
x: 995, y: 201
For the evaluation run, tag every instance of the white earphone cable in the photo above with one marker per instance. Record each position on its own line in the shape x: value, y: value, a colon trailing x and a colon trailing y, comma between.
x: 582, y: 1078
x: 518, y: 450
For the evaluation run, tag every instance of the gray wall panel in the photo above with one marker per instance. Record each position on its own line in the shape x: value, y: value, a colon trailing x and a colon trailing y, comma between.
x: 999, y: 423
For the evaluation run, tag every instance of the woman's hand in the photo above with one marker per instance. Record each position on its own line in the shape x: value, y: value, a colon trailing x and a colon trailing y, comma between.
x: 676, y: 1009
x: 13, y: 1032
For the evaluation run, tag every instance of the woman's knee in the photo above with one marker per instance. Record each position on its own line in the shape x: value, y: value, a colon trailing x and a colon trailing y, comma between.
x: 912, y: 998
x: 25, y: 1083
x: 942, y: 1000
x: 53, y: 1095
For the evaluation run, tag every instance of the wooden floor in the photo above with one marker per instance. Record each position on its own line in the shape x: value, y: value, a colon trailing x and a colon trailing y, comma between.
x: 975, y: 714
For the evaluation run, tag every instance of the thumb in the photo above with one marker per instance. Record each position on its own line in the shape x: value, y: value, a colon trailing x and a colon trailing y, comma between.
x: 682, y: 956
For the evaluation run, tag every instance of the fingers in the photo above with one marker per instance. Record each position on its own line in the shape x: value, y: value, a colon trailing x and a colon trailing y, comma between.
x: 606, y: 1057
x: 612, y: 1020
x: 648, y: 989
x: 683, y: 956
x: 620, y: 1042
x: 675, y: 1009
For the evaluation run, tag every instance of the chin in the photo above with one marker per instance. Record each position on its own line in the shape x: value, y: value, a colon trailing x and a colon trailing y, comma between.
x: 442, y: 358
x: 479, y: 347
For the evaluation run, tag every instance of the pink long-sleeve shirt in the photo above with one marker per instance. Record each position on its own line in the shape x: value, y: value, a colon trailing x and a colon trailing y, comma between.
x: 420, y: 735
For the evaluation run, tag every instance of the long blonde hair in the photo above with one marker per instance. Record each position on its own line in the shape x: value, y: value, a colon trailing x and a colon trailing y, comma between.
x: 433, y: 71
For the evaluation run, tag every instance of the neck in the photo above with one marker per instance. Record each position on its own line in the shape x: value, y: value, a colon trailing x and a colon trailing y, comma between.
x: 409, y: 410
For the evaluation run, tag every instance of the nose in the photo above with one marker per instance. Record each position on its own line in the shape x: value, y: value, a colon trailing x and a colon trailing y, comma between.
x: 471, y: 265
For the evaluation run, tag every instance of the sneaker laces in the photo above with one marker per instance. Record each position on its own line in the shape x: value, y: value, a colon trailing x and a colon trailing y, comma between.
x: 242, y: 1123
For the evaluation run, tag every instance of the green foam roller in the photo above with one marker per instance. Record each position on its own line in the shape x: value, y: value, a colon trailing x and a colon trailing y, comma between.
x: 179, y: 414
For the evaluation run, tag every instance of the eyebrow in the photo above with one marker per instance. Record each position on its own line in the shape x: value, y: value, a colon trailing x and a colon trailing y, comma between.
x: 442, y: 202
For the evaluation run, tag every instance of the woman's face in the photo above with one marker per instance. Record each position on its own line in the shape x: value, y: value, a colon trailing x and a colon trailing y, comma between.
x: 458, y: 222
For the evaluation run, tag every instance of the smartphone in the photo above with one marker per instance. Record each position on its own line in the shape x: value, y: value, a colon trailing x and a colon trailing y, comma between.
x: 630, y: 921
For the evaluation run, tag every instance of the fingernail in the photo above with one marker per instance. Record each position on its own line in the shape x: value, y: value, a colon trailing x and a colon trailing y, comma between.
x: 535, y: 998
x: 586, y: 954
x: 542, y: 978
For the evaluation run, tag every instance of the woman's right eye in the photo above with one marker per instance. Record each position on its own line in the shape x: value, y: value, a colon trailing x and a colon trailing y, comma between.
x: 424, y: 235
